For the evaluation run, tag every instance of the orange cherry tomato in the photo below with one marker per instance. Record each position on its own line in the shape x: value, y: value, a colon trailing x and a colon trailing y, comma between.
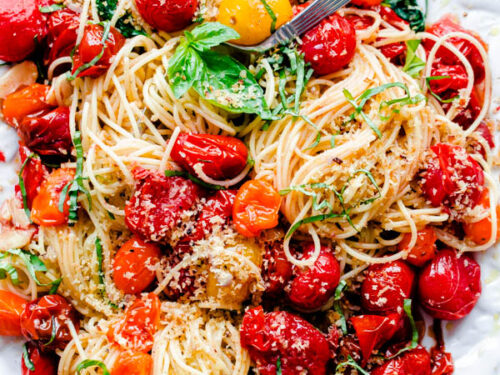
x: 45, y: 208
x: 424, y: 249
x: 135, y: 331
x: 256, y: 208
x: 11, y: 308
x: 134, y: 265
x: 480, y: 231
x: 24, y: 102
x: 133, y: 364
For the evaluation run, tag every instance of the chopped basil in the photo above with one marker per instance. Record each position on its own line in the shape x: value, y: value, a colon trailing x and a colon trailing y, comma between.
x: 22, y: 187
x: 7, y: 269
x: 271, y: 13
x: 26, y: 358
x: 413, y: 64
x: 337, y: 306
x: 351, y: 363
x: 414, y: 335
x: 195, y: 179
x: 278, y: 366
x: 51, y: 8
x: 106, y: 10
x: 92, y: 363
x: 437, y: 78
x: 98, y: 251
x: 316, y: 141
x: 54, y: 332
x: 409, y: 11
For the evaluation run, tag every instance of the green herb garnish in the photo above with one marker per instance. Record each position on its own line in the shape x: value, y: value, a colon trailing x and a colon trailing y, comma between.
x: 437, y: 78
x: 338, y: 308
x: 414, y: 334
x: 278, y: 366
x: 106, y: 10
x: 351, y: 363
x: 22, y: 187
x: 26, y: 358
x: 271, y: 13
x: 8, y: 270
x: 409, y: 11
x: 195, y: 179
x: 92, y: 363
x: 414, y: 64
x: 51, y: 8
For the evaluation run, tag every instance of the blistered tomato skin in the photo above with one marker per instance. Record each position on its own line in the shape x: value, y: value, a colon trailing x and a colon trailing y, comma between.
x: 414, y: 362
x: 40, y: 315
x: 11, y: 308
x: 167, y: 15
x: 313, y: 287
x: 424, y: 249
x: 44, y: 363
x: 219, y: 157
x: 26, y: 101
x: 62, y: 34
x: 386, y: 286
x: 281, y: 335
x: 20, y: 23
x: 330, y: 46
x: 457, y: 80
x: 276, y: 270
x: 450, y: 286
x: 34, y: 173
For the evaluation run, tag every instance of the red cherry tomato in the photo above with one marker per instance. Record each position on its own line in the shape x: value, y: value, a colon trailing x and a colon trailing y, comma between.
x: 62, y: 34
x: 484, y: 131
x: 457, y: 78
x: 91, y: 46
x: 395, y: 52
x: 480, y: 231
x: 276, y: 269
x: 466, y: 117
x: 280, y: 335
x: 256, y: 208
x: 20, y: 23
x: 41, y: 315
x: 329, y: 46
x: 313, y: 287
x: 11, y: 307
x: 45, y: 208
x: 442, y: 362
x: 45, y: 363
x: 135, y: 331
x: 449, y: 287
x: 366, y: 3
x: 375, y: 330
x: 424, y: 249
x: 158, y: 204
x: 133, y: 364
x: 386, y: 286
x: 447, y: 25
x: 219, y: 157
x: 169, y: 15
x: 27, y: 101
x: 414, y: 362
x: 47, y: 134
x: 34, y: 173
x: 452, y: 178
x: 134, y: 267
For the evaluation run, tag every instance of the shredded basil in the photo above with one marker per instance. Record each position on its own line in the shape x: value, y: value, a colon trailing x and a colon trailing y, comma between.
x: 337, y: 306
x: 409, y: 11
x: 51, y: 8
x: 271, y: 13
x: 106, y: 10
x: 437, y: 78
x: 92, y: 363
x: 278, y: 366
x: 316, y: 141
x: 195, y: 179
x: 413, y: 64
x: 22, y: 187
x: 8, y: 270
x: 54, y: 332
x: 26, y: 358
x: 414, y: 335
x: 351, y: 363
x: 111, y: 215
x: 100, y: 273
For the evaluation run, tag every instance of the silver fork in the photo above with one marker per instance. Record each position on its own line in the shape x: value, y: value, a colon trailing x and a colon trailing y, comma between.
x: 303, y: 22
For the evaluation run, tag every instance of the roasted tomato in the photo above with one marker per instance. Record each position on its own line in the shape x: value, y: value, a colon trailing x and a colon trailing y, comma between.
x: 167, y: 15
x: 62, y: 34
x: 47, y: 134
x: 256, y: 208
x: 11, y: 307
x: 450, y: 286
x: 91, y: 46
x: 254, y: 29
x: 457, y: 78
x: 34, y: 173
x: 158, y: 204
x: 447, y: 25
x: 135, y: 331
x: 183, y: 283
x: 217, y: 156
x: 276, y: 269
x: 312, y: 287
x: 375, y: 330
x: 45, y: 363
x: 45, y: 208
x: 395, y: 52
x: 329, y: 46
x: 386, y: 286
x: 21, y: 25
x: 27, y: 101
x: 366, y: 3
x: 480, y: 231
x: 414, y: 362
x: 424, y: 249
x: 134, y: 267
x: 45, y: 320
x: 466, y: 117
x: 133, y: 364
x: 280, y: 335
x: 484, y: 131
x: 452, y: 178
x: 442, y: 362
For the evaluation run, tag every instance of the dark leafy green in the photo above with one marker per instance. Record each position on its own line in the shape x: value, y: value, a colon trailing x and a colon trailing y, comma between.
x: 106, y: 10
x: 409, y: 11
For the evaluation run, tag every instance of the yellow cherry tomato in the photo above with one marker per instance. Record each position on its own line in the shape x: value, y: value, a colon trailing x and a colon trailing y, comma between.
x: 251, y: 19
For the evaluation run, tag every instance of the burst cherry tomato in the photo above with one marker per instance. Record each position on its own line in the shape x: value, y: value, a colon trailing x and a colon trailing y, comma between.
x: 21, y: 25
x: 34, y: 173
x: 47, y: 134
x: 450, y: 286
x: 329, y: 46
x: 484, y: 131
x: 11, y: 307
x: 62, y: 34
x: 167, y: 15
x: 256, y: 208
x: 480, y: 231
x: 466, y: 117
x: 395, y: 52
x: 414, y: 362
x: 45, y: 363
x: 45, y: 208
x: 386, y: 286
x: 442, y: 362
x: 366, y: 3
x: 91, y: 46
x: 158, y: 204
x: 281, y: 335
x: 276, y: 269
x: 457, y: 78
x: 312, y: 287
x: 133, y: 364
x: 135, y: 331
x: 424, y: 249
x: 219, y: 157
x: 47, y: 315
x: 27, y: 101
x: 134, y: 267
x: 452, y: 178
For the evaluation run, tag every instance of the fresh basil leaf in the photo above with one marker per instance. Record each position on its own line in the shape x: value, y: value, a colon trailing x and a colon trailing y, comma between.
x: 22, y: 187
x: 409, y: 11
x: 51, y: 8
x: 106, y: 10
x: 9, y: 270
x: 26, y: 358
x: 92, y: 363
x: 184, y: 68
x: 414, y: 64
x: 414, y: 336
x: 211, y: 34
x: 278, y: 366
x: 337, y: 306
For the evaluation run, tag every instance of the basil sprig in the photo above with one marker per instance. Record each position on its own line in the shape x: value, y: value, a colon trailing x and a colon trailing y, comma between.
x: 409, y: 11
x: 218, y: 78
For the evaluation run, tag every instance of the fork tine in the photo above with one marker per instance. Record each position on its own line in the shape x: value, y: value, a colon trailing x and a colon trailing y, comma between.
x: 320, y: 9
